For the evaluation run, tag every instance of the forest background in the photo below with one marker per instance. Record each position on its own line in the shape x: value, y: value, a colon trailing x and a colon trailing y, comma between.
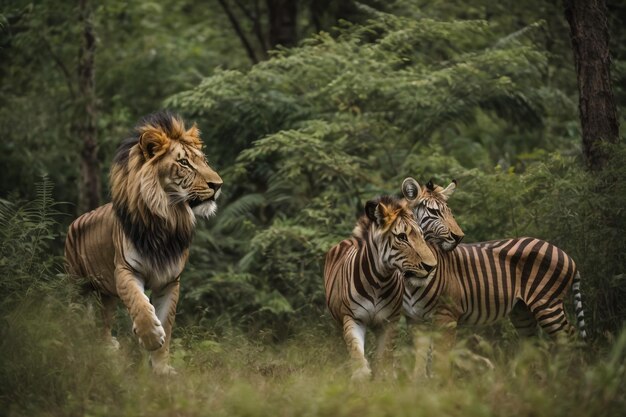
x: 307, y: 109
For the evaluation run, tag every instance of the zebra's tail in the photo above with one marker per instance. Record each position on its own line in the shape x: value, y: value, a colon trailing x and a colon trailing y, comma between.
x: 578, y: 306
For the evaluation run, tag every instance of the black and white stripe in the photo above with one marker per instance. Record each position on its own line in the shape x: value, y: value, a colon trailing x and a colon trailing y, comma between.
x: 525, y: 278
x: 363, y: 275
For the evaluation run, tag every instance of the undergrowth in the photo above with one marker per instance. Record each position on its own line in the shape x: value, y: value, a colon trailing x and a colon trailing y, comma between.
x: 54, y: 363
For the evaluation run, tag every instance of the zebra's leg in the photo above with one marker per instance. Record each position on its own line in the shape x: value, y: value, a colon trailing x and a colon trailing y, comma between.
x: 523, y: 320
x: 108, y: 312
x: 354, y: 335
x: 423, y: 345
x: 385, y: 344
x: 445, y: 323
x: 551, y: 317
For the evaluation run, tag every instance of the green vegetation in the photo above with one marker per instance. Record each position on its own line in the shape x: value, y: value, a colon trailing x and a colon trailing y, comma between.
x: 484, y: 93
x: 54, y: 363
x: 341, y: 119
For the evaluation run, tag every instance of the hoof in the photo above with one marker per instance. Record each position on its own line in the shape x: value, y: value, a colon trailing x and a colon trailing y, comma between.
x: 362, y: 374
x: 114, y: 344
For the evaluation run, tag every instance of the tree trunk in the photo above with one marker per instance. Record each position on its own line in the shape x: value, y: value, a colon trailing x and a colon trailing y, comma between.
x: 590, y: 42
x: 85, y: 122
x: 239, y: 31
x: 283, y: 18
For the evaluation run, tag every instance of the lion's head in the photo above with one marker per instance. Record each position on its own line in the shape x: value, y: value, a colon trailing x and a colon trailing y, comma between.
x: 160, y: 181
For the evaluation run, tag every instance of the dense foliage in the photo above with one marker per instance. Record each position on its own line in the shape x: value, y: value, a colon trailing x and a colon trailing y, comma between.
x: 341, y: 119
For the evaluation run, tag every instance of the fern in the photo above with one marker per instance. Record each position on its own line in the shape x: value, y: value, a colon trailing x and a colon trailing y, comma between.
x: 26, y: 228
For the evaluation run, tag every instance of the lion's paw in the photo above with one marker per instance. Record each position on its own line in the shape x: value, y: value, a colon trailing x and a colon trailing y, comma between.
x: 150, y: 337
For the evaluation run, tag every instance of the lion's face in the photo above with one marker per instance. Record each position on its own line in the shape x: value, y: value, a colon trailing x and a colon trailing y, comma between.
x: 160, y: 183
x: 164, y: 173
x: 186, y: 177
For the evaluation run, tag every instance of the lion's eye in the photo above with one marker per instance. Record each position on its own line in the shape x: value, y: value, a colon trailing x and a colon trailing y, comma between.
x: 402, y: 237
x: 184, y: 162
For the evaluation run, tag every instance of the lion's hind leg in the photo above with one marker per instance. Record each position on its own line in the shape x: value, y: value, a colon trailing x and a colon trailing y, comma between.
x: 108, y: 315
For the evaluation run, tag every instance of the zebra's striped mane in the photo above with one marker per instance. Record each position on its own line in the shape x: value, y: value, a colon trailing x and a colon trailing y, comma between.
x: 434, y: 199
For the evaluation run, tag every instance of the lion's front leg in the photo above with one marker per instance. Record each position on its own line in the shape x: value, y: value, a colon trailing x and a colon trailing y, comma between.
x: 146, y: 325
x: 165, y: 301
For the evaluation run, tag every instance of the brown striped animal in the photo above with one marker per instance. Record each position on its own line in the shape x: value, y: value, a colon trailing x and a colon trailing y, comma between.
x: 524, y: 278
x: 363, y: 275
x: 160, y: 182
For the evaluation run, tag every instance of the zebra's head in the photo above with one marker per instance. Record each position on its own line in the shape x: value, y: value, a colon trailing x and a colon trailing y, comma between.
x: 432, y: 213
x: 392, y: 229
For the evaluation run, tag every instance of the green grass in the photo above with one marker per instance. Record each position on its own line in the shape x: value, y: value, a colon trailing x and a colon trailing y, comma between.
x: 52, y: 362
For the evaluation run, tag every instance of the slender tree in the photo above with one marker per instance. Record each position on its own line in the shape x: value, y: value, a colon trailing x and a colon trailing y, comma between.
x: 280, y: 17
x: 589, y: 34
x: 241, y: 34
x: 85, y: 124
x: 283, y: 18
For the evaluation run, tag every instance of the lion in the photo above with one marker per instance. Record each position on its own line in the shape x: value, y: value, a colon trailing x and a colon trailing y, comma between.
x: 160, y: 182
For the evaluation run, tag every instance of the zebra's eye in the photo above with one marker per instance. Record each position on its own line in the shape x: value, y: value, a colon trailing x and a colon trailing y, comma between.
x: 184, y: 162
x: 402, y: 237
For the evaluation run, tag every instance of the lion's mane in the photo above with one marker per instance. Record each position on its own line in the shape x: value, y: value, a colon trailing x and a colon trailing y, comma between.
x: 160, y: 231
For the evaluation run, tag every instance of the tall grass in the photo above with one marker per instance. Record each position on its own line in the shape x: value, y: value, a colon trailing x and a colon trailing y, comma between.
x: 53, y: 362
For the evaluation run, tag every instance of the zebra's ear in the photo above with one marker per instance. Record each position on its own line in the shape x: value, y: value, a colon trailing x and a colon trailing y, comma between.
x: 376, y: 211
x: 410, y: 189
x: 370, y: 209
x: 449, y: 190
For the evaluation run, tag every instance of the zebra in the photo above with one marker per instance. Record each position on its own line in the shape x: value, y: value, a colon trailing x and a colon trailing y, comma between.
x: 433, y: 214
x: 363, y: 275
x: 523, y: 278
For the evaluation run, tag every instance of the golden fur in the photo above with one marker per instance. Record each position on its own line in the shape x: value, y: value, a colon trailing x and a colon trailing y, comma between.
x: 160, y: 182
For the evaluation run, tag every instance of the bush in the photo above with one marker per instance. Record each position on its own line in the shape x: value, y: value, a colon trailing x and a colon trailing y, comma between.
x: 333, y: 123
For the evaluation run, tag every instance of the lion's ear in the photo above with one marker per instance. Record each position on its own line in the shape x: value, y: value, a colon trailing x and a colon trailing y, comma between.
x: 153, y: 142
x: 193, y: 135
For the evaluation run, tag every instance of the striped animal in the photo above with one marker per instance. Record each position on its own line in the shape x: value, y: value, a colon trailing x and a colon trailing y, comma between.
x: 433, y: 214
x: 363, y: 275
x: 525, y: 278
x: 160, y: 183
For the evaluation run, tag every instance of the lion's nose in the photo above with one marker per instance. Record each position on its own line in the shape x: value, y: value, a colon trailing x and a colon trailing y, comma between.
x: 214, y: 185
